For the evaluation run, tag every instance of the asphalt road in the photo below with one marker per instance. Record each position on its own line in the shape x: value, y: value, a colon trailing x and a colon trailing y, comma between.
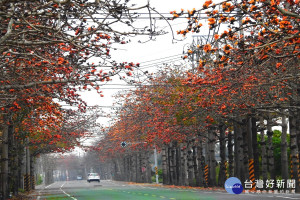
x: 112, y: 190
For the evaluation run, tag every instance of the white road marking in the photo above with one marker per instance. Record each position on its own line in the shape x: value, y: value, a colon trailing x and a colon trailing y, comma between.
x: 287, y: 197
x: 152, y: 188
x: 38, y: 198
x: 65, y: 192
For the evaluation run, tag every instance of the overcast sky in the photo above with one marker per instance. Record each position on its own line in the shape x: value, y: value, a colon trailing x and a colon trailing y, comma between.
x: 150, y: 54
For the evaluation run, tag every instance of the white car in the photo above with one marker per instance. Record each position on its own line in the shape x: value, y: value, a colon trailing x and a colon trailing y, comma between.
x: 93, y: 177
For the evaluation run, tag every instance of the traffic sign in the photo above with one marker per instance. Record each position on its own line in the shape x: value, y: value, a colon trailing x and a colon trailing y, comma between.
x: 123, y: 144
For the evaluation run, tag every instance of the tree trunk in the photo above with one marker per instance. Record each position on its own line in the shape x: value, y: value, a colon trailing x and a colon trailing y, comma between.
x: 270, y: 149
x: 4, y: 159
x: 200, y: 164
x: 222, y: 171
x: 23, y: 166
x: 13, y: 161
x: 178, y: 165
x: 255, y: 148
x: 20, y: 158
x: 184, y: 170
x: 294, y: 148
x: 212, y: 158
x: 133, y: 168
x: 191, y: 175
x: 118, y: 172
x: 125, y: 165
x: 139, y: 175
x: 245, y: 131
x: 238, y: 152
x: 148, y: 168
x: 174, y: 164
x: 32, y: 179
x: 297, y: 118
x: 130, y: 167
x: 185, y: 164
x: 195, y: 165
x: 231, y: 165
x: 264, y: 160
x: 143, y: 167
x: 171, y: 165
x: 164, y: 165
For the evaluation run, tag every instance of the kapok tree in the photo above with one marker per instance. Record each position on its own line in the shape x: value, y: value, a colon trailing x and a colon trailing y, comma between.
x: 56, y: 48
x: 261, y: 49
x: 62, y: 43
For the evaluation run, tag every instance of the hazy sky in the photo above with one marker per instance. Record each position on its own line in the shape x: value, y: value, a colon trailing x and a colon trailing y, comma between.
x: 149, y: 54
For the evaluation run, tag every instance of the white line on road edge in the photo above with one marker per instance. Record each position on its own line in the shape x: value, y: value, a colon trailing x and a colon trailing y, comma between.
x: 287, y: 197
x: 65, y: 192
x: 38, y: 198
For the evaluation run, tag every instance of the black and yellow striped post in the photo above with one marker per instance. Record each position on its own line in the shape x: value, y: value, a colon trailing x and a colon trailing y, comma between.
x: 251, y: 173
x: 226, y: 170
x: 206, y: 174
x: 295, y: 170
x: 32, y: 182
x: 27, y: 181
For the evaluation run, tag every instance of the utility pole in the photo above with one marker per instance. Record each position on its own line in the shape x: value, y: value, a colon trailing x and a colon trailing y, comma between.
x: 197, y: 40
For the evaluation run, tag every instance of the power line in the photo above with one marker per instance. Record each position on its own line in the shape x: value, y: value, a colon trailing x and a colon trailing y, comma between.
x: 136, y: 14
x: 148, y: 61
x: 156, y: 18
x: 159, y: 63
x: 116, y: 88
x: 161, y: 58
x: 115, y: 84
x: 93, y: 106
